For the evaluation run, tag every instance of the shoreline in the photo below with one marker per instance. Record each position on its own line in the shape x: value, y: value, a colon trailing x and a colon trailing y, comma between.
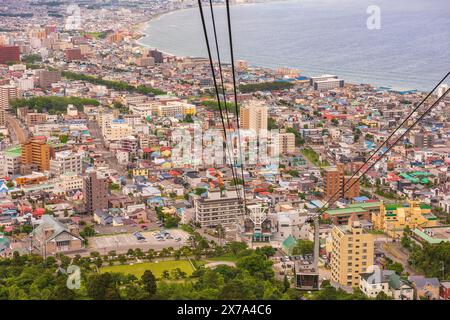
x: 142, y: 26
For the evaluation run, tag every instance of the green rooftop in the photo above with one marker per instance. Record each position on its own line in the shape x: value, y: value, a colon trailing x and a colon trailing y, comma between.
x: 364, y: 205
x: 14, y: 151
x: 428, y: 238
x: 333, y: 212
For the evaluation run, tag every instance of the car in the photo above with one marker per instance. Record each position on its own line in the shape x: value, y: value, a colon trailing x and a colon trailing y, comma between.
x: 178, y: 239
x: 161, y: 239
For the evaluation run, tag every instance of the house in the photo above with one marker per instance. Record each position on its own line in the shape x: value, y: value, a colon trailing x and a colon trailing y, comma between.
x: 425, y: 287
x: 401, y: 289
x: 51, y: 237
x: 102, y: 217
x: 387, y: 281
x: 138, y: 215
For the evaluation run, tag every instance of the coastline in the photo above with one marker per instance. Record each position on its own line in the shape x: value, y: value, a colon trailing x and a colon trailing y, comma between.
x: 141, y: 27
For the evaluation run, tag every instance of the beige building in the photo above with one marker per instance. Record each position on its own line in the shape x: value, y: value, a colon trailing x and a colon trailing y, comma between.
x: 117, y: 130
x: 287, y: 142
x: 218, y: 207
x: 394, y: 218
x: 7, y: 93
x: 253, y: 116
x: 352, y: 253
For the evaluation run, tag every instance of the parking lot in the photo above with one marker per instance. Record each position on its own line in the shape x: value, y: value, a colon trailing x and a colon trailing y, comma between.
x: 123, y: 242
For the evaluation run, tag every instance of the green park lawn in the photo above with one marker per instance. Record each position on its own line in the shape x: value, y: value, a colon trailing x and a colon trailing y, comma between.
x: 156, y: 268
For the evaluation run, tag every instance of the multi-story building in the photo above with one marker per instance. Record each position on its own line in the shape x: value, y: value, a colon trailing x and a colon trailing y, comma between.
x: 73, y: 54
x: 352, y: 253
x: 337, y: 185
x: 7, y: 93
x: 253, y: 116
x: 70, y: 182
x: 326, y: 82
x: 287, y: 142
x: 175, y: 108
x: 117, y: 130
x: 9, y: 54
x: 36, y: 151
x: 394, y: 218
x: 218, y: 208
x: 386, y: 281
x: 33, y: 118
x: 65, y: 162
x: 95, y: 193
x: 47, y: 78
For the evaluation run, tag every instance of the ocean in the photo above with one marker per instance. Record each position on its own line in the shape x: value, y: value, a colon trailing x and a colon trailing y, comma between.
x: 409, y: 50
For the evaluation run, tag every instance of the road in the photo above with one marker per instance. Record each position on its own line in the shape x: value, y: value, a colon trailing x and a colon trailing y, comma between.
x: 19, y: 133
x: 395, y: 252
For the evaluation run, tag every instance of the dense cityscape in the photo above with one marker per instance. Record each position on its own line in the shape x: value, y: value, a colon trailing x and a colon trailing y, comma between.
x: 95, y: 178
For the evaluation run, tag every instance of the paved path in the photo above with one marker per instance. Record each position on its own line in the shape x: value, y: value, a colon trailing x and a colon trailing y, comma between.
x: 19, y: 132
x: 218, y: 263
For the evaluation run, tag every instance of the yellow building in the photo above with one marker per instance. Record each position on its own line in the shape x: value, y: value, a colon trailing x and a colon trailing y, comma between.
x: 394, y: 218
x: 352, y: 253
x: 140, y: 172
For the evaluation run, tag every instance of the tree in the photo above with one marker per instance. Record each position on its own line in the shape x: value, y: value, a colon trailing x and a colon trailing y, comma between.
x: 102, y: 287
x: 256, y: 264
x: 382, y: 296
x: 148, y: 280
x: 303, y: 247
x: 286, y: 283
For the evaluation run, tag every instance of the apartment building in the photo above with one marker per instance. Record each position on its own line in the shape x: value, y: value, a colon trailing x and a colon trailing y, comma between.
x: 286, y: 142
x: 65, y: 162
x: 338, y: 185
x: 47, y: 78
x: 218, y: 208
x: 175, y: 108
x: 95, y: 192
x: 34, y: 118
x: 7, y: 93
x: 253, y: 116
x: 117, y: 130
x: 70, y: 182
x: 36, y: 151
x: 352, y: 253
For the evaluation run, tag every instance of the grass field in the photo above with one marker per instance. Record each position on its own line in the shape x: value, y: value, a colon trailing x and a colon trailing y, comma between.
x: 156, y: 267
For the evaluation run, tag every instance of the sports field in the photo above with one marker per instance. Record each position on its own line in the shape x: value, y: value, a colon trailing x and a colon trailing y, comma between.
x: 156, y: 268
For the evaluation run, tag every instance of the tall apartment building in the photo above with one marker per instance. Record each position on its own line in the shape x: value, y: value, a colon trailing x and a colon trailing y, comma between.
x: 95, y: 193
x: 218, y: 207
x: 338, y: 185
x: 253, y: 116
x: 36, y: 151
x: 9, y: 54
x: 7, y: 93
x: 352, y: 253
x: 73, y: 54
x: 286, y: 142
x: 66, y: 162
x: 47, y: 78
